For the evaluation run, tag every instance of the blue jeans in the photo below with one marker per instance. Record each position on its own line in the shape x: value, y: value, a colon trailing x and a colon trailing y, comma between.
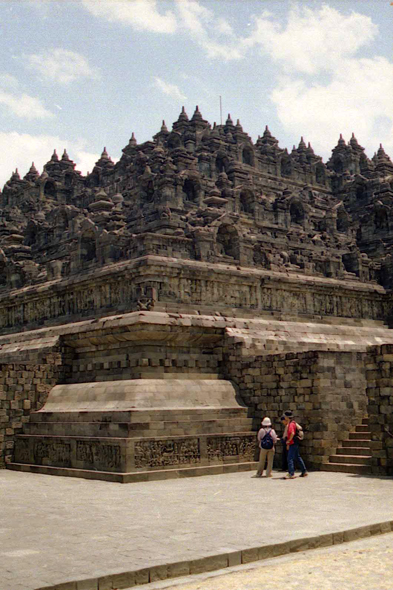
x: 293, y: 455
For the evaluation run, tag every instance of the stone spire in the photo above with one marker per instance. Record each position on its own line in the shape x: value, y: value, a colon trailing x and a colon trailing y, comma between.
x: 267, y: 142
x: 32, y: 174
x: 356, y: 147
x: 198, y: 121
x: 384, y: 165
x: 66, y: 162
x: 182, y: 123
x: 197, y: 115
x: 104, y: 160
x: 183, y: 117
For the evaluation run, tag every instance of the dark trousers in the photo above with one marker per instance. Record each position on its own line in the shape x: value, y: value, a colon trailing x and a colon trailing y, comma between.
x: 284, y: 455
x: 293, y: 455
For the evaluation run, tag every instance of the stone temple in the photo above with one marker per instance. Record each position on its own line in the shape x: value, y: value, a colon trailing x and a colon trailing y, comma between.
x: 152, y: 311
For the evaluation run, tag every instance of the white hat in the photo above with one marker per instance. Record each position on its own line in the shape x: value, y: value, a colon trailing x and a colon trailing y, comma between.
x: 266, y: 422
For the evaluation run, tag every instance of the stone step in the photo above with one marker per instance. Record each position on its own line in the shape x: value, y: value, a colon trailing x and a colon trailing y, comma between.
x: 362, y: 451
x: 140, y: 476
x: 359, y: 443
x: 141, y: 415
x: 148, y: 429
x: 362, y: 428
x: 347, y: 468
x: 360, y: 436
x: 351, y: 459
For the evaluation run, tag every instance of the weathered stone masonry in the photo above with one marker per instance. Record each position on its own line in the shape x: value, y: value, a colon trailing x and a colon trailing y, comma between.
x: 154, y: 310
x: 24, y: 386
x: 380, y: 407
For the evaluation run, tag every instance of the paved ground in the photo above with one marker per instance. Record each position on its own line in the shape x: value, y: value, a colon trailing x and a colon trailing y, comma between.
x: 55, y: 529
x: 360, y: 565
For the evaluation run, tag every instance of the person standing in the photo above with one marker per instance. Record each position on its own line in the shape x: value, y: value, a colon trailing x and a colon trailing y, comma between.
x: 267, y: 439
x: 284, y: 453
x: 293, y: 447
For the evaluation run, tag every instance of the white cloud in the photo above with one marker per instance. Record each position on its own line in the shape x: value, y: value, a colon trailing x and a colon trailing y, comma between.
x: 170, y: 89
x: 62, y: 65
x: 358, y: 96
x: 8, y: 81
x: 323, y: 88
x: 41, y: 6
x: 312, y: 40
x: 20, y: 150
x: 214, y: 35
x: 24, y: 106
x: 209, y: 32
x: 143, y: 15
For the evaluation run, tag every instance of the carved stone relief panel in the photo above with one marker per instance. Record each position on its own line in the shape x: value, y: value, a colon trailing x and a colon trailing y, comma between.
x: 160, y: 453
x: 22, y: 450
x: 223, y: 447
x: 54, y: 453
x: 98, y: 454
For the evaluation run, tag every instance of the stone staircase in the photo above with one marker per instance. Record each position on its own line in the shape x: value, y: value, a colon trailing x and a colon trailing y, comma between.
x: 354, y: 456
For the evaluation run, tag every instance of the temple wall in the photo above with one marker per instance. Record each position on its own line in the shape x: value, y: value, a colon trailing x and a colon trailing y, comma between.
x: 325, y: 390
x: 187, y: 286
x: 380, y: 407
x: 26, y: 377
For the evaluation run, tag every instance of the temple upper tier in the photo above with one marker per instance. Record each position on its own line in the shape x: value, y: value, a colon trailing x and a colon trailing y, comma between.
x: 207, y: 194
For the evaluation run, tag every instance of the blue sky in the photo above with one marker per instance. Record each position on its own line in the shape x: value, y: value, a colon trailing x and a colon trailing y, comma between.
x: 85, y: 74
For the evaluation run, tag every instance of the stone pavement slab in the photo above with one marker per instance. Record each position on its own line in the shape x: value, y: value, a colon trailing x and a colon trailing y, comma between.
x: 56, y: 529
x: 360, y: 565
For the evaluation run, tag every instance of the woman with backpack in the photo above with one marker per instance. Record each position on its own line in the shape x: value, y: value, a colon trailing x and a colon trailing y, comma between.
x: 267, y: 439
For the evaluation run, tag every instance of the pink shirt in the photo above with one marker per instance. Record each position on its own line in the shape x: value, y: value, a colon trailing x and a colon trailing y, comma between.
x: 291, y: 430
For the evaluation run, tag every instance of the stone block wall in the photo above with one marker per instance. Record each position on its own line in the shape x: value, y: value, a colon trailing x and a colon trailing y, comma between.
x: 24, y: 387
x: 380, y: 407
x: 325, y: 390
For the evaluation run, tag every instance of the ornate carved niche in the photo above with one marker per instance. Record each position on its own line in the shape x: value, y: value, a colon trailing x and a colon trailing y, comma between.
x: 296, y: 212
x: 351, y: 263
x: 3, y: 271
x: 50, y: 189
x: 221, y: 163
x: 320, y: 174
x: 31, y: 233
x: 338, y: 164
x: 248, y: 156
x: 381, y: 220
x: 342, y: 222
x: 191, y: 189
x: 286, y: 166
x: 361, y: 192
x: 260, y: 257
x: 247, y: 201
x: 87, y: 246
x: 68, y: 180
x: 228, y: 241
x: 174, y: 141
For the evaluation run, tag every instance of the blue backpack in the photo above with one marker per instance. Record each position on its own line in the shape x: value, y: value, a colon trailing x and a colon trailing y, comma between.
x: 267, y: 441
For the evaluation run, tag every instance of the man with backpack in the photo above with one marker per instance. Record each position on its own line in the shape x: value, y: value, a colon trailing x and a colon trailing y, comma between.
x: 267, y: 439
x: 294, y: 435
